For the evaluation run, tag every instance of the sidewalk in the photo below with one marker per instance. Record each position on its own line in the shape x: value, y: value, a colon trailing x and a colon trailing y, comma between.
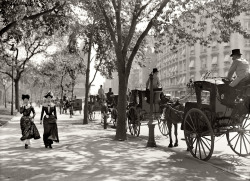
x: 5, y: 115
x: 88, y: 152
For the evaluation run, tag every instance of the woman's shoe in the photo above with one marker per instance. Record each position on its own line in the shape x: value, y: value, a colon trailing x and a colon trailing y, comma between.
x: 26, y: 146
x: 50, y: 146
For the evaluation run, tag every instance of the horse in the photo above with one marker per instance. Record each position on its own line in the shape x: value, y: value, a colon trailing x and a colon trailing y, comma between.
x: 173, y: 114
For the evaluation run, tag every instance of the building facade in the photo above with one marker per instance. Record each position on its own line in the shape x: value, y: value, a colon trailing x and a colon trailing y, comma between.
x: 193, y: 62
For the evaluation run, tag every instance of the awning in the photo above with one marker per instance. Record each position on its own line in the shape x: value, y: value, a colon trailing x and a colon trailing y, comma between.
x: 180, y: 80
x: 226, y: 58
x: 215, y: 60
x: 175, y: 68
x: 191, y: 64
x: 183, y: 80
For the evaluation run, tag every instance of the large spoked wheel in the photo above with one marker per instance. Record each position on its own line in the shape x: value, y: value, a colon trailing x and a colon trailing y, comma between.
x: 162, y: 124
x: 199, y: 135
x: 238, y: 138
x: 133, y: 122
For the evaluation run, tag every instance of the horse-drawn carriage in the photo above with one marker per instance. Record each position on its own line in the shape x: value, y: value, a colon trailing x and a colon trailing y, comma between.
x: 219, y: 110
x: 139, y: 109
x: 93, y: 106
x: 112, y: 103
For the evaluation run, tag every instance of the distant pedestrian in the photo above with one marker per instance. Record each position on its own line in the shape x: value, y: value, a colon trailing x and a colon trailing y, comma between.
x: 49, y: 121
x: 101, y: 93
x: 28, y: 127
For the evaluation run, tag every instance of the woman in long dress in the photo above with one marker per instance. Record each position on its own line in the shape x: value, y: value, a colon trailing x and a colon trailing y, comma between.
x: 49, y: 121
x: 28, y: 127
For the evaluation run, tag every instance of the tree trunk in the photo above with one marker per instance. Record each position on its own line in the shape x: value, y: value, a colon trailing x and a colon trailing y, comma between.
x: 87, y: 86
x: 122, y: 103
x: 61, y: 102
x: 17, y: 94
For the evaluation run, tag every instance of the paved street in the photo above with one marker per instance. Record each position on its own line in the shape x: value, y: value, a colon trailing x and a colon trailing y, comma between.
x: 88, y: 152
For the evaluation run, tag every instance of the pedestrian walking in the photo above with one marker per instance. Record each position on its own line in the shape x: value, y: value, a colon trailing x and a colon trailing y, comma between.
x: 50, y: 133
x: 28, y: 127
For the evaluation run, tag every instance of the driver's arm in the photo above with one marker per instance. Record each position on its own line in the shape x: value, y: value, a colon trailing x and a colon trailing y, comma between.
x: 232, y: 70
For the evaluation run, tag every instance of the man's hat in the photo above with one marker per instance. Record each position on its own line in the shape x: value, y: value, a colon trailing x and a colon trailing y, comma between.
x: 235, y: 52
x: 49, y: 94
x: 155, y: 70
x: 25, y: 96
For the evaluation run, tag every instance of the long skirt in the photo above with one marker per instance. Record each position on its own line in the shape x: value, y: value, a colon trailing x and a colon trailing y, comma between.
x: 28, y: 128
x: 50, y: 131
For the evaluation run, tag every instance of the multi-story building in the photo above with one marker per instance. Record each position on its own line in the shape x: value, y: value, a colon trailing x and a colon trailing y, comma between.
x: 192, y: 62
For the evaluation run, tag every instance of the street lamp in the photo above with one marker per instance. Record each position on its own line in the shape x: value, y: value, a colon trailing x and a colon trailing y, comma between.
x: 12, y: 74
x: 4, y: 86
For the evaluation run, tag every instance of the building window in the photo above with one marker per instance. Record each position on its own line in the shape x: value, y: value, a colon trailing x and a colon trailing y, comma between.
x: 247, y: 25
x: 203, y: 63
x: 192, y: 49
x: 246, y: 55
x: 184, y: 65
x: 215, y: 60
x: 214, y: 44
x: 247, y: 42
x: 181, y: 67
x: 226, y: 58
x: 203, y: 48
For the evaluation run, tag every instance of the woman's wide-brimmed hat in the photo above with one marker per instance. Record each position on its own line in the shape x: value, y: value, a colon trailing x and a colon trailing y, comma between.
x: 25, y: 96
x: 49, y: 94
x: 155, y: 70
x: 235, y: 52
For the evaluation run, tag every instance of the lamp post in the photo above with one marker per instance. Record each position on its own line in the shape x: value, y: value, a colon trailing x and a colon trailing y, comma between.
x: 4, y: 86
x: 151, y: 126
x: 12, y: 84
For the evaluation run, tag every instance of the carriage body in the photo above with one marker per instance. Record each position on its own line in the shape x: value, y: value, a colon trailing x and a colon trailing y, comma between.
x: 216, y: 112
x: 139, y: 109
x: 77, y: 105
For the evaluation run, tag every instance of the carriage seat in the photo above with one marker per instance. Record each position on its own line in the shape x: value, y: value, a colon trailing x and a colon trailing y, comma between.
x: 228, y: 94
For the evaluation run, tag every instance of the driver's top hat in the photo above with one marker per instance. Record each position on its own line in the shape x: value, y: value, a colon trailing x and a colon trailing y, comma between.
x: 235, y: 52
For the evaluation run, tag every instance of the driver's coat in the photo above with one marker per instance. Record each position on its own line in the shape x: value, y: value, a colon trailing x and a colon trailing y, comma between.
x: 241, y: 68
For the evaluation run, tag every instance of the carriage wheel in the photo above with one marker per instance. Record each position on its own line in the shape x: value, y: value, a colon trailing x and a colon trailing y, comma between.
x: 239, y: 140
x: 133, y: 122
x: 162, y: 124
x: 199, y: 135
